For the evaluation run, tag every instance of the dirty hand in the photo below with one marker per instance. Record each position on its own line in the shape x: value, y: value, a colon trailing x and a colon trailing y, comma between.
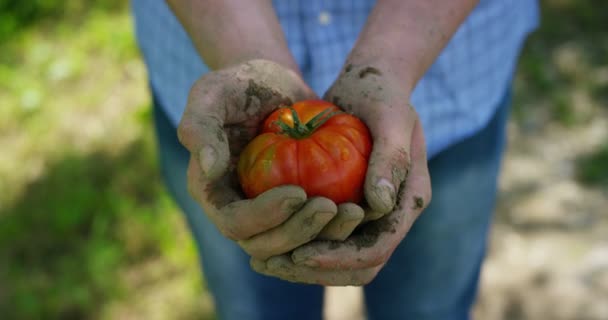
x: 224, y: 111
x: 397, y: 186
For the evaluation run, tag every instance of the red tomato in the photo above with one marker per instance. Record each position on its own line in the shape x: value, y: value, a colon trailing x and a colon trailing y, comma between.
x: 312, y: 144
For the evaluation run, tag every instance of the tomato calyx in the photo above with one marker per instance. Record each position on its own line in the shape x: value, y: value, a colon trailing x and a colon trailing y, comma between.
x: 303, y: 130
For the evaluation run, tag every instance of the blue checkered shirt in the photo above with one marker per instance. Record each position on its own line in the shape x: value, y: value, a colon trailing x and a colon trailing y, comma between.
x: 456, y: 97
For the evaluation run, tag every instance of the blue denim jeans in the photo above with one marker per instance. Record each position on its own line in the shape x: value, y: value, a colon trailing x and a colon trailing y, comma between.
x: 433, y: 274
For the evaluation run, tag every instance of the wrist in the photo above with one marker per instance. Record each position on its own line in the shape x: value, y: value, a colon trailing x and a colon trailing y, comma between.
x: 229, y: 32
x: 404, y: 37
x: 394, y: 71
x: 240, y: 57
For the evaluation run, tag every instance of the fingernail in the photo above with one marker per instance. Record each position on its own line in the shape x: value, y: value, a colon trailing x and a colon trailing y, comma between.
x: 278, y: 262
x: 302, y: 255
x: 386, y: 192
x: 207, y: 156
x: 257, y: 265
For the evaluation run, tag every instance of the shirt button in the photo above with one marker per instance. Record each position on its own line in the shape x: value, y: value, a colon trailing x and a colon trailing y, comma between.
x: 324, y: 18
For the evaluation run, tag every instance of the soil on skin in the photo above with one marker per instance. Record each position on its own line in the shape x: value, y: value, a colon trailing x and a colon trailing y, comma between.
x: 371, y: 232
x: 369, y: 70
x: 548, y: 252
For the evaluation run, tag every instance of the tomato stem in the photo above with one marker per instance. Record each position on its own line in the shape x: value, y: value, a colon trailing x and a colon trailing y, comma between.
x: 303, y: 130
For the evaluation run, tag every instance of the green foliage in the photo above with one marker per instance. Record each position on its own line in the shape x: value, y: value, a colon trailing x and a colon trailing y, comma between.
x: 72, y: 230
x: 592, y: 169
x: 16, y: 15
x: 564, y: 56
x: 82, y: 207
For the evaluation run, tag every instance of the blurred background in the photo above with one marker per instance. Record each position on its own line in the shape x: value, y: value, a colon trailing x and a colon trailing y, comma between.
x: 87, y: 230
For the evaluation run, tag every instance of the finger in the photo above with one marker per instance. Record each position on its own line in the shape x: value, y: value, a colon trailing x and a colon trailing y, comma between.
x: 342, y: 225
x: 237, y: 218
x: 247, y: 218
x: 389, y: 161
x: 242, y: 94
x: 302, y: 227
x: 371, y: 215
x: 374, y: 244
x: 212, y: 195
x: 201, y: 129
x: 283, y: 268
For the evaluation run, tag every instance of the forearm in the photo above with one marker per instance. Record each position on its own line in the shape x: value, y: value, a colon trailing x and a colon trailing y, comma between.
x: 406, y: 36
x: 227, y: 32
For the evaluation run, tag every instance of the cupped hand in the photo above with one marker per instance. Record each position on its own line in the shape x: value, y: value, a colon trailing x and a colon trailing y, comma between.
x: 397, y: 186
x: 225, y: 109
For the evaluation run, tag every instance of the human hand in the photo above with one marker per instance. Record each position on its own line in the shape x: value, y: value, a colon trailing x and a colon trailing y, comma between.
x: 224, y: 111
x: 393, y: 202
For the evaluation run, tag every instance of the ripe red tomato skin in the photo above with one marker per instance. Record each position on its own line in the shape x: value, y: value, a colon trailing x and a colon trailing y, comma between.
x: 331, y: 162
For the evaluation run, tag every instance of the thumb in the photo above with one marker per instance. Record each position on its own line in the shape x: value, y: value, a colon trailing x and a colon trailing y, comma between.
x: 389, y: 162
x: 205, y: 138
